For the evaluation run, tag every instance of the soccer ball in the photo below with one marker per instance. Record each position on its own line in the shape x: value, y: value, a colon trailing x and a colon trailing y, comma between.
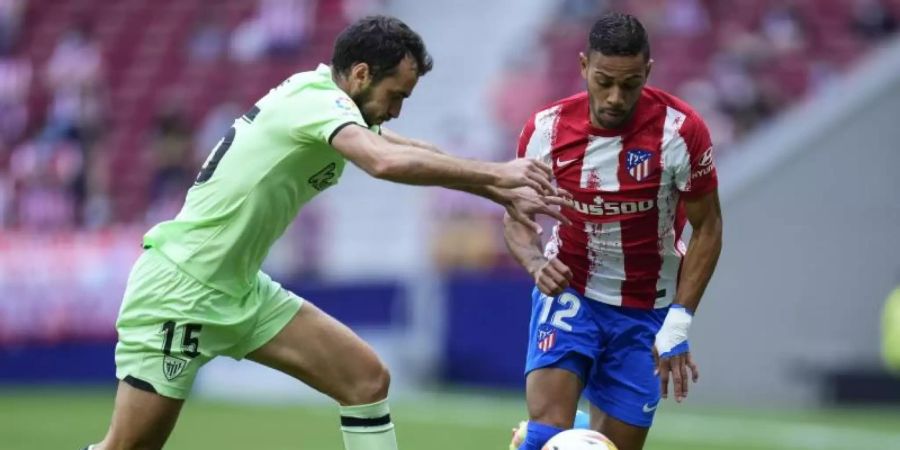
x: 579, y: 440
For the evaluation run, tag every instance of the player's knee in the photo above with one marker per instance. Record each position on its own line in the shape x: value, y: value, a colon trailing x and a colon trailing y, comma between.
x: 551, y: 413
x: 371, y: 388
x: 376, y: 388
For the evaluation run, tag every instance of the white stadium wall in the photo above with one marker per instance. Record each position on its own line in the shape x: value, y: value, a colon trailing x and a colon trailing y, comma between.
x: 812, y: 217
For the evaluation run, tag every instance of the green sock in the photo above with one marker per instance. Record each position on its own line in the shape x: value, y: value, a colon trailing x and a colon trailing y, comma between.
x: 368, y: 427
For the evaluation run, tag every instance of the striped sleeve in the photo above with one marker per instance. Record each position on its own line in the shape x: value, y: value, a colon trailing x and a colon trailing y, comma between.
x: 525, y: 137
x: 536, y: 139
x: 700, y: 170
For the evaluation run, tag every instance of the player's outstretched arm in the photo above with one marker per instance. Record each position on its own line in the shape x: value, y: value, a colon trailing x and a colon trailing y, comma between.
x: 410, y: 165
x: 550, y: 275
x: 521, y: 204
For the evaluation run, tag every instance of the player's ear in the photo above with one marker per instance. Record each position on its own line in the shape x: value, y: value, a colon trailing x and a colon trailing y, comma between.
x: 649, y: 66
x: 583, y: 59
x: 360, y: 75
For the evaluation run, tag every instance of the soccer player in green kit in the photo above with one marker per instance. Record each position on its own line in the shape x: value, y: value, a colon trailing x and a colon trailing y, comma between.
x: 197, y: 292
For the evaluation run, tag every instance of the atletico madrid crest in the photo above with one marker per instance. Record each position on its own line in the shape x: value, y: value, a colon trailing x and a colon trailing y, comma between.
x: 546, y: 338
x: 638, y: 164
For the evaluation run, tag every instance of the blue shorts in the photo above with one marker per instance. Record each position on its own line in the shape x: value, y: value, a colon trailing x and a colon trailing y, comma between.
x: 608, y: 347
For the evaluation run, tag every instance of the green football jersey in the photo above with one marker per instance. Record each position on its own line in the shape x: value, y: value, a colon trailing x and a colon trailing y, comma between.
x: 273, y: 160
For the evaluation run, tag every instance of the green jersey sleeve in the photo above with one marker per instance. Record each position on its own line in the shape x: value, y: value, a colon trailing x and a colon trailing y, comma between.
x: 333, y: 110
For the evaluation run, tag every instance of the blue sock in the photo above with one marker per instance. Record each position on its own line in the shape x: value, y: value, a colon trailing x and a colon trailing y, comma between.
x: 538, y: 435
x: 582, y: 420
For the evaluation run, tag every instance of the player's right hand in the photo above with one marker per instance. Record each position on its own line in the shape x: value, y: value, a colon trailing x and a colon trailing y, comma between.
x: 526, y: 172
x: 552, y: 277
x: 523, y: 204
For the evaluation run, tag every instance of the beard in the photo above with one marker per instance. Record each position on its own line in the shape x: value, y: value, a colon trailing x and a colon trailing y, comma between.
x: 361, y: 99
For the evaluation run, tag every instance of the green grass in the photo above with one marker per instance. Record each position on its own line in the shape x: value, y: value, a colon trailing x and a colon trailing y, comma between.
x: 69, y: 419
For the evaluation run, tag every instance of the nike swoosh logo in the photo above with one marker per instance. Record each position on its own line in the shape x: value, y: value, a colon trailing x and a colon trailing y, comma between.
x: 560, y: 163
x: 649, y: 409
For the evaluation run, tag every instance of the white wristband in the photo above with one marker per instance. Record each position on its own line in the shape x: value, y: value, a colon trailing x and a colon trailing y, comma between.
x: 674, y: 330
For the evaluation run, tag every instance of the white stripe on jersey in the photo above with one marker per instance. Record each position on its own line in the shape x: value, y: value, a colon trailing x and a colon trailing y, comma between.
x: 541, y: 142
x: 600, y: 170
x: 674, y: 160
x: 607, y: 269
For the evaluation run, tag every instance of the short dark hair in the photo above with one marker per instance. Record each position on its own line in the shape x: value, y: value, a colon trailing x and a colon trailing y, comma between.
x: 381, y: 42
x: 617, y: 34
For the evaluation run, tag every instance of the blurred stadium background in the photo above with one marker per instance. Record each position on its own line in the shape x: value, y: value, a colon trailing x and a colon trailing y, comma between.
x: 107, y: 109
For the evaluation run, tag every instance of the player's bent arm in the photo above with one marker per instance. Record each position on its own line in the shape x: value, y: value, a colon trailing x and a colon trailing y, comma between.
x: 705, y: 216
x: 524, y: 243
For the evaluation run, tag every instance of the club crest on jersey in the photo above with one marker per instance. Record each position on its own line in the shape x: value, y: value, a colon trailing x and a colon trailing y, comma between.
x: 546, y: 338
x: 638, y: 163
x: 172, y: 366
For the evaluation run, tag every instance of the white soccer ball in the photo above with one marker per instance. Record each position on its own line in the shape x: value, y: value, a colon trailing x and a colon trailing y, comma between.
x: 579, y: 440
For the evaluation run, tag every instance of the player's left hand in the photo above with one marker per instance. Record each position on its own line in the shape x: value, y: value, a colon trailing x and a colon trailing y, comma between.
x: 525, y: 203
x: 672, y: 354
x: 675, y: 367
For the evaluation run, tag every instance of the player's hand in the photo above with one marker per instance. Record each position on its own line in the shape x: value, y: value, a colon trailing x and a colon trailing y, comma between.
x: 524, y: 203
x: 552, y: 277
x: 672, y: 353
x: 675, y: 368
x: 526, y: 172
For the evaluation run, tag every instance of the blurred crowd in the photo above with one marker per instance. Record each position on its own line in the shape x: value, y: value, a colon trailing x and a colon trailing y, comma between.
x: 738, y: 62
x: 91, y: 89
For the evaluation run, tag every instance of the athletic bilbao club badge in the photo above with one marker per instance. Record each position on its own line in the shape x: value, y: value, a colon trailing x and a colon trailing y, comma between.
x: 172, y: 366
x: 638, y: 164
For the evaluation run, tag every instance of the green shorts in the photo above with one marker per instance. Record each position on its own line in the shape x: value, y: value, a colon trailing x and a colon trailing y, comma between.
x: 170, y: 324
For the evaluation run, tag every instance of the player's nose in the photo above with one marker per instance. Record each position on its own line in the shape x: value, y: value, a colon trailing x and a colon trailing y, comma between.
x: 614, y: 98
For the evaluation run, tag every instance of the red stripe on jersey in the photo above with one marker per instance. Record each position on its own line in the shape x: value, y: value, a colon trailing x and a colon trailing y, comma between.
x: 640, y: 241
x: 524, y: 137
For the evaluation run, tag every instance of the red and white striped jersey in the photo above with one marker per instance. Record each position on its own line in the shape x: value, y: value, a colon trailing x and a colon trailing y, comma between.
x: 624, y: 245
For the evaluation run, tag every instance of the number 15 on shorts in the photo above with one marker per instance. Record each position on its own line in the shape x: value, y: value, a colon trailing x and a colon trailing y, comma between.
x: 569, y: 304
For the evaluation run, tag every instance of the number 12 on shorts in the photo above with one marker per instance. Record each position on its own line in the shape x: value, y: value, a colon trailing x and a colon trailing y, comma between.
x: 190, y: 343
x: 570, y: 305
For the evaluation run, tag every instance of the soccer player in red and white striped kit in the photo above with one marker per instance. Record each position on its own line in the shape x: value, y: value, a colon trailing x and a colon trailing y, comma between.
x: 616, y: 290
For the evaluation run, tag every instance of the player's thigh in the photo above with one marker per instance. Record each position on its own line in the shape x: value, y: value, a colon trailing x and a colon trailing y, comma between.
x: 623, y: 387
x: 563, y: 339
x: 624, y: 435
x: 141, y: 420
x: 169, y: 325
x: 325, y: 354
